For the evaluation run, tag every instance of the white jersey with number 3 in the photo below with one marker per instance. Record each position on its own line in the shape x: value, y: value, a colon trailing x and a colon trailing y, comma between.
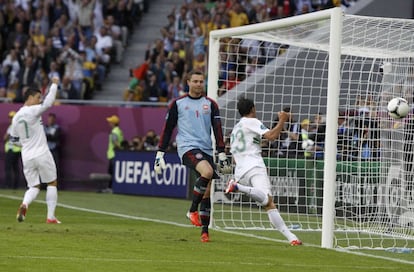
x: 245, y: 145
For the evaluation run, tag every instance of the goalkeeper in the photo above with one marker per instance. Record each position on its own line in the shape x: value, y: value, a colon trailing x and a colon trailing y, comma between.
x: 195, y: 115
x: 250, y: 173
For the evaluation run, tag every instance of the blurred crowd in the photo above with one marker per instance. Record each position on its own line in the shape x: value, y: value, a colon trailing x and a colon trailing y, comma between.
x: 183, y: 43
x: 358, y: 135
x: 147, y: 142
x: 77, y: 40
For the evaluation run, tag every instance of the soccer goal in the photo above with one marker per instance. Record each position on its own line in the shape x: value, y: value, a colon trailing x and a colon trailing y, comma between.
x: 351, y: 177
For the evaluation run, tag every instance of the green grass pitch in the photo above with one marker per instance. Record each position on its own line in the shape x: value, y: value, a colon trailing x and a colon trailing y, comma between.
x: 109, y: 232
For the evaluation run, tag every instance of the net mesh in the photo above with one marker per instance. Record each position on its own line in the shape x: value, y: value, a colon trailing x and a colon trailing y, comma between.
x: 287, y: 68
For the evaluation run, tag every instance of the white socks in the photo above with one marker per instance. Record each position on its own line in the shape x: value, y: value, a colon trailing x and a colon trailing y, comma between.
x: 278, y: 222
x: 274, y: 216
x: 30, y: 195
x: 51, y: 201
x: 254, y: 193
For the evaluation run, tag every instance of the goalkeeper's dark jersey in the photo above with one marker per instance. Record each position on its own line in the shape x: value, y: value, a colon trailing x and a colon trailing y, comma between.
x: 194, y: 119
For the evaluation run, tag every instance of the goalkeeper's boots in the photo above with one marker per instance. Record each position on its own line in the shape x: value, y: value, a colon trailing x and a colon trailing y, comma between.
x: 204, y: 237
x: 231, y: 186
x: 194, y: 218
x: 296, y: 242
x: 21, y: 213
x: 53, y: 221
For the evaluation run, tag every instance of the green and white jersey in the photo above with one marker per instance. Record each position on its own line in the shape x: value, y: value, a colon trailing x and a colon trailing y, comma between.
x: 245, y: 145
x: 28, y: 127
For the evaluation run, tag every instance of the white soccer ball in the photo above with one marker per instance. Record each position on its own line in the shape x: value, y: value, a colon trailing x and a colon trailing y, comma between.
x: 386, y: 68
x: 307, y: 144
x: 398, y: 108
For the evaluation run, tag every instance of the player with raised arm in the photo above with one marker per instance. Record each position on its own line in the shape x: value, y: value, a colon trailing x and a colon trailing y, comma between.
x: 38, y: 163
x: 195, y: 115
x: 250, y: 172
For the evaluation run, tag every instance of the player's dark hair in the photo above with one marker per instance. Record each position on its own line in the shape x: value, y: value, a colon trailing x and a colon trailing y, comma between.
x: 30, y: 92
x: 245, y: 106
x: 195, y: 72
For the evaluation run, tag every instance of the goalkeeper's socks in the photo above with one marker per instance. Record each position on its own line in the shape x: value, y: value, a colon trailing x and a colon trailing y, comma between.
x: 200, y: 187
x: 196, y: 200
x: 205, y: 213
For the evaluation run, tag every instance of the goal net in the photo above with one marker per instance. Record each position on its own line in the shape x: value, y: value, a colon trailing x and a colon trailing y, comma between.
x: 342, y: 166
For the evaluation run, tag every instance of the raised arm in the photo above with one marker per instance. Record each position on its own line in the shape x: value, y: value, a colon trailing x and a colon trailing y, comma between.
x: 274, y: 133
x: 51, y: 95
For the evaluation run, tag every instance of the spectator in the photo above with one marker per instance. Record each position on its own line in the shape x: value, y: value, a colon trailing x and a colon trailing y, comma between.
x: 158, y: 68
x: 151, y: 91
x: 138, y: 75
x: 136, y: 143
x: 89, y: 72
x: 53, y: 136
x: 104, y: 45
x: 11, y: 68
x: 37, y: 35
x: 168, y: 40
x: 119, y: 38
x: 40, y: 19
x: 53, y: 70
x: 122, y: 15
x: 86, y: 8
x: 206, y: 25
x: 179, y: 64
x: 56, y: 9
x: 237, y: 15
x: 27, y: 73
x: 291, y: 143
x: 176, y: 88
x: 92, y: 56
x: 3, y: 83
x: 98, y: 14
x: 17, y: 36
x: 58, y: 40
x: 305, y: 139
x: 184, y: 25
x: 73, y: 9
x: 228, y: 83
x: 150, y: 141
x: 125, y: 145
x: 116, y: 137
x: 12, y: 158
x: 319, y: 129
x: 218, y: 21
x: 73, y: 69
x: 343, y: 135
x: 67, y: 90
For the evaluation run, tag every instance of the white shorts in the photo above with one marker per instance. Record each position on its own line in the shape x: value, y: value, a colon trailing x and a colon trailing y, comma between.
x: 257, y: 178
x: 41, y: 169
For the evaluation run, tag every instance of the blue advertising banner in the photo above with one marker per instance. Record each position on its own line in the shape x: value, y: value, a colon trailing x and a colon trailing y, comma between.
x: 134, y: 175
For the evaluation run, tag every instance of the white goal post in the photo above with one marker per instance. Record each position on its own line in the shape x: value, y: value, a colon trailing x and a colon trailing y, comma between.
x: 335, y: 72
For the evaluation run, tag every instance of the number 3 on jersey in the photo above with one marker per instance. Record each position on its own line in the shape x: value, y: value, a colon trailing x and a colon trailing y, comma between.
x: 237, y: 141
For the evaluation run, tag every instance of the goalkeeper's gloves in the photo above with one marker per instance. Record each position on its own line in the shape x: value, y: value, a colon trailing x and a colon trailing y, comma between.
x: 224, y: 164
x: 159, y: 163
